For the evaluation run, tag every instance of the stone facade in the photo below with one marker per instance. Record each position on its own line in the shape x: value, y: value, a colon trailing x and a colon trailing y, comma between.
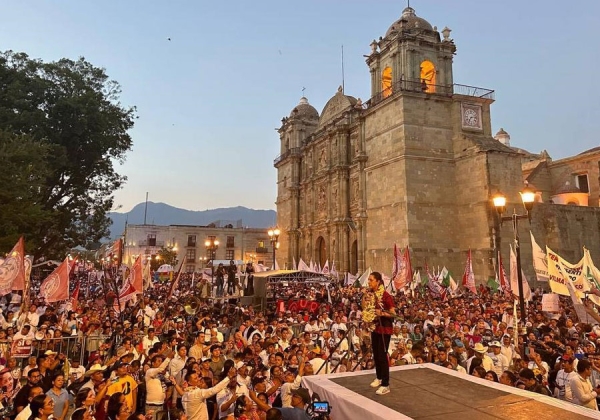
x: 416, y: 165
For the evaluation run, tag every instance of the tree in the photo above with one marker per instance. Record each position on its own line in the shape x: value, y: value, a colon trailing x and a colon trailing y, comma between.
x: 69, y: 115
x: 165, y: 256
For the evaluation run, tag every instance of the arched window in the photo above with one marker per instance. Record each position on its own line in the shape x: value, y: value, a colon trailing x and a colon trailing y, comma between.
x: 386, y: 82
x: 427, y: 77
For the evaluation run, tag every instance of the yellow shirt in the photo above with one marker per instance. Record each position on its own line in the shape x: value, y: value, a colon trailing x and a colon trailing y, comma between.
x: 126, y: 385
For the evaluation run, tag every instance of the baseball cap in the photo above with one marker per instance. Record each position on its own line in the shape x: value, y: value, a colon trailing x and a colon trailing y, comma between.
x: 302, y: 393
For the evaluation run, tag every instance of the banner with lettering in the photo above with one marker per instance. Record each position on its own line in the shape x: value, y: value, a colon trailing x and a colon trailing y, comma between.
x: 540, y: 261
x: 560, y: 271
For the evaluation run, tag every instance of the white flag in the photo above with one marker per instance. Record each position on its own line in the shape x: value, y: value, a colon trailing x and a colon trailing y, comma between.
x: 514, y: 279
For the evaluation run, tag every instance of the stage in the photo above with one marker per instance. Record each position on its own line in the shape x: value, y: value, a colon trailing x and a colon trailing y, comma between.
x: 432, y: 392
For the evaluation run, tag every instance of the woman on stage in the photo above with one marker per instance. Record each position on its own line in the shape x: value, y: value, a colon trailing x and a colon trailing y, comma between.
x: 378, y: 310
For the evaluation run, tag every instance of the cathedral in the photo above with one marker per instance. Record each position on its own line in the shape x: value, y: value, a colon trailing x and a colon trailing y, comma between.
x: 415, y: 165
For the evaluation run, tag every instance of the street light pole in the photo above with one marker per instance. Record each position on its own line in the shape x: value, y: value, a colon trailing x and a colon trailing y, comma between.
x: 274, y: 237
x: 212, y: 245
x: 528, y: 198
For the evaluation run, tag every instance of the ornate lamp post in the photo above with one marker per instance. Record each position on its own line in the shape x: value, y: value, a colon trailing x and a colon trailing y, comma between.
x: 212, y: 245
x: 274, y: 238
x: 528, y: 198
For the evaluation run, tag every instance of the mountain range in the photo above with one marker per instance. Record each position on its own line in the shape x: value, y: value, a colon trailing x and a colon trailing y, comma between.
x: 163, y: 214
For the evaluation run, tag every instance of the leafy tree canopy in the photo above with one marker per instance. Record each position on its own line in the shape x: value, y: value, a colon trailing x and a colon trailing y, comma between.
x: 62, y: 128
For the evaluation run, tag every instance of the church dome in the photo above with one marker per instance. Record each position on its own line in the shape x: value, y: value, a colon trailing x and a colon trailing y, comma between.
x: 567, y: 188
x: 304, y: 110
x: 409, y: 20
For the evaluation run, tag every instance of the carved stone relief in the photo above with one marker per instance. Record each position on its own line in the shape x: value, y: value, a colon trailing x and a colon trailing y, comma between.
x: 322, y: 199
x: 355, y: 190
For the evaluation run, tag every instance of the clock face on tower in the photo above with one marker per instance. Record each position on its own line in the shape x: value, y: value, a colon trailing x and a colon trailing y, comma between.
x: 471, y: 116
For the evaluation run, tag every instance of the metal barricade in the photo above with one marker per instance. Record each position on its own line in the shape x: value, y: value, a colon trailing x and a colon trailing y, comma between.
x: 72, y: 346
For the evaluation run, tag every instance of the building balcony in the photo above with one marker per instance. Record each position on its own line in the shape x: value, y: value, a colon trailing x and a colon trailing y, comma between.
x: 418, y: 86
x: 262, y: 250
x: 294, y: 151
x: 146, y: 242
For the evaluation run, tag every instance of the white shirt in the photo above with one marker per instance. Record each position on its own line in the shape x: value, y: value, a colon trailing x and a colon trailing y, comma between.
x: 155, y: 393
x: 147, y: 342
x: 562, y: 390
x: 583, y: 393
x: 501, y: 363
x: 224, y: 395
x: 194, y: 400
x: 24, y: 414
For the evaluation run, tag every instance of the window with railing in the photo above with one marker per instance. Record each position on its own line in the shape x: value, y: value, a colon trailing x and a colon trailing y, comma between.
x: 191, y: 240
x: 231, y: 242
x: 151, y: 239
x: 229, y: 254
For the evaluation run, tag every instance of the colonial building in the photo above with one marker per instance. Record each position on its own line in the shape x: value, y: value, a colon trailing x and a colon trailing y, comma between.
x: 415, y: 165
x: 235, y: 243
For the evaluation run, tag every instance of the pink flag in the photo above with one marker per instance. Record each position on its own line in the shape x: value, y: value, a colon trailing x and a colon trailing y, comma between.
x: 12, y: 269
x: 468, y: 280
x: 56, y: 286
x: 325, y: 269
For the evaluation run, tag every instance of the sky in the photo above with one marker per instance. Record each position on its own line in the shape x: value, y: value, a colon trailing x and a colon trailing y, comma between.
x: 210, y: 99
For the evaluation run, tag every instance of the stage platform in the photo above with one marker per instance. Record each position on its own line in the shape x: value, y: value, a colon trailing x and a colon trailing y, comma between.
x: 431, y: 392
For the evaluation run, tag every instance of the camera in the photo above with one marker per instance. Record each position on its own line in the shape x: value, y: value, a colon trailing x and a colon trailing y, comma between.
x: 320, y: 407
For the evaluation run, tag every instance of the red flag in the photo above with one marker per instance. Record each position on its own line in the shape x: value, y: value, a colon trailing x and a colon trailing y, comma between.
x: 56, y: 286
x: 409, y: 270
x: 126, y: 293
x: 12, y: 269
x: 136, y: 276
x: 468, y: 280
x: 75, y: 297
x: 503, y: 279
x: 175, y: 282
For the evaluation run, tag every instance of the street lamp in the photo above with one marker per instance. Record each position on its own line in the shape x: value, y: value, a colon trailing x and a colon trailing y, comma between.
x: 212, y: 245
x: 274, y: 237
x: 202, y: 261
x: 528, y: 198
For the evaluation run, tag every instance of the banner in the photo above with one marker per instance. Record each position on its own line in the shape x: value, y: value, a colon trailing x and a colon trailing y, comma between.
x: 550, y: 302
x: 12, y: 269
x: 540, y: 261
x: 561, y: 271
x: 56, y: 286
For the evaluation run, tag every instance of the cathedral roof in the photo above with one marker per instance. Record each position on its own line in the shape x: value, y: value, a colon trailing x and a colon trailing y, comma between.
x: 304, y: 110
x: 593, y: 150
x: 336, y: 106
x: 409, y: 20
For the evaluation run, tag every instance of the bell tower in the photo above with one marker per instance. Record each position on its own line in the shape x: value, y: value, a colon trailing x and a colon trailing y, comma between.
x: 411, y: 56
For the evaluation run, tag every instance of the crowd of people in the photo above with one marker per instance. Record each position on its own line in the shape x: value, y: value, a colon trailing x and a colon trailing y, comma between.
x: 223, y: 360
